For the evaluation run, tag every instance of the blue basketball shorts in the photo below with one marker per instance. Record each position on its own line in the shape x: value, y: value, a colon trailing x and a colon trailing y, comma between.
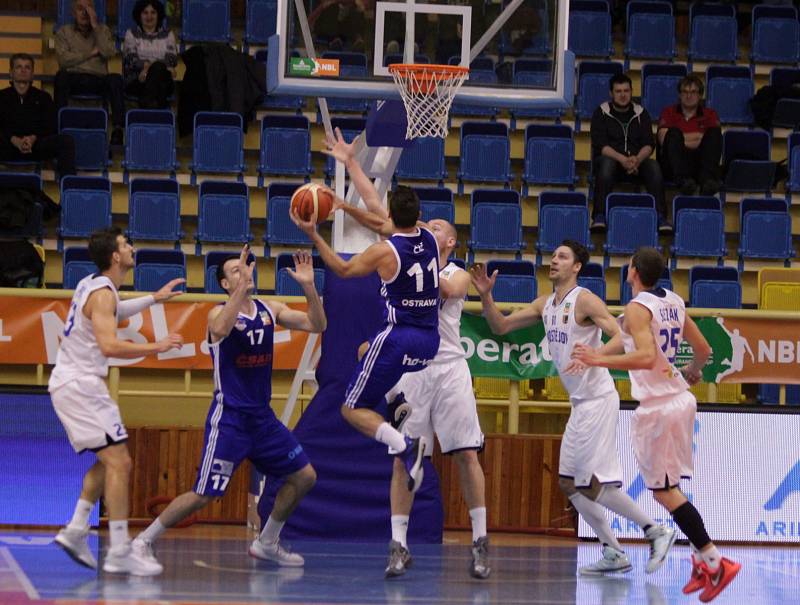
x: 232, y: 435
x: 395, y: 350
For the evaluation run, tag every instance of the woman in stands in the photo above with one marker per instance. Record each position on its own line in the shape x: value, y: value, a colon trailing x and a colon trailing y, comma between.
x: 150, y: 56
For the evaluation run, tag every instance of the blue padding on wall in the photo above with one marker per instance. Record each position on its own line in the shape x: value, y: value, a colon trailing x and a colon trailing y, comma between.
x: 350, y: 501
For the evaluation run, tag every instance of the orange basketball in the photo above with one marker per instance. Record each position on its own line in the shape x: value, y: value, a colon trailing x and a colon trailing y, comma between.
x: 312, y: 203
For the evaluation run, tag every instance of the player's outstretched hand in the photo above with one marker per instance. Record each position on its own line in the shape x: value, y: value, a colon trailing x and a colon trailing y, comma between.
x: 307, y: 227
x: 338, y: 147
x: 483, y: 283
x: 245, y: 269
x: 575, y: 367
x: 168, y: 291
x: 303, y: 272
x: 173, y: 341
x: 586, y: 355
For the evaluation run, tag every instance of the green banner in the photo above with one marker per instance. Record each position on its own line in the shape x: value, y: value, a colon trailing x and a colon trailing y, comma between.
x: 301, y: 66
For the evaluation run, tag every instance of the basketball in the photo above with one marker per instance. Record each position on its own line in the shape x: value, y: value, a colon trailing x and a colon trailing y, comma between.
x: 312, y: 203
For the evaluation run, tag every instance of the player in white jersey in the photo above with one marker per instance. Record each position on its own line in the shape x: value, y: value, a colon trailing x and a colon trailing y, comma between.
x: 653, y: 326
x: 589, y: 470
x: 81, y: 399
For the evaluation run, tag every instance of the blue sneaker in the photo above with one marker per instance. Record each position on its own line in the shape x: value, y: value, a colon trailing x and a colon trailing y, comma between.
x: 412, y: 457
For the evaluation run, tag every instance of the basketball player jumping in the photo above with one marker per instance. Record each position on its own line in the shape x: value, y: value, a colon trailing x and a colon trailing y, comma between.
x: 408, y: 265
x: 81, y: 399
x: 240, y: 423
x: 653, y: 326
x: 589, y: 471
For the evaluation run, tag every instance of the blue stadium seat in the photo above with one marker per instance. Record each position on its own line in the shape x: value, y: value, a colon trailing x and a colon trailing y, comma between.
x: 64, y: 13
x: 482, y: 71
x: 419, y: 58
x: 766, y: 230
x: 533, y: 73
x: 285, y: 147
x: 154, y: 268
x: 592, y: 87
x: 32, y: 227
x: 699, y: 227
x: 352, y: 66
x: 85, y: 206
x: 436, y: 202
x: 540, y: 43
x: 660, y: 86
x: 496, y: 221
x: 549, y: 156
x: 651, y: 31
x: 423, y: 160
x: 590, y: 29
x: 218, y: 143
x: 23, y: 180
x: 270, y: 101
x: 769, y: 394
x: 746, y: 156
x: 775, y: 34
x: 631, y: 222
x: 625, y: 291
x: 88, y: 128
x: 206, y: 21
x: 351, y: 128
x: 516, y: 280
x: 210, y: 262
x: 485, y: 153
x: 787, y: 110
x: 713, y: 33
x: 77, y: 265
x: 285, y: 284
x: 729, y: 90
x: 281, y: 231
x: 154, y: 206
x: 260, y: 22
x: 715, y: 288
x: 793, y: 147
x: 593, y: 277
x: 223, y: 213
x: 150, y: 140
x: 562, y: 215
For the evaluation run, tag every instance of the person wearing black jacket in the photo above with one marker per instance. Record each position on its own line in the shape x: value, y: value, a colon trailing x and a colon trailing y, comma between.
x: 622, y: 142
x: 28, y: 121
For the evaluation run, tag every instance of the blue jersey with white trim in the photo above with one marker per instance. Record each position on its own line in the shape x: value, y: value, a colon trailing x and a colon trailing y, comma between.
x: 243, y: 361
x: 412, y: 295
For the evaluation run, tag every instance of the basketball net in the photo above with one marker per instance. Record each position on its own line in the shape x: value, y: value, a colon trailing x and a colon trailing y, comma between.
x: 427, y: 92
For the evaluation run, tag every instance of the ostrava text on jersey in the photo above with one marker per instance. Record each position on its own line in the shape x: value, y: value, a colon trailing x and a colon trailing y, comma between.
x: 243, y: 361
x: 413, y: 301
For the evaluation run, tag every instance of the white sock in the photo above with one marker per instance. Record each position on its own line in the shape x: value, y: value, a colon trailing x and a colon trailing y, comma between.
x: 613, y: 498
x: 80, y: 518
x: 390, y: 436
x: 594, y: 515
x: 478, y: 518
x: 711, y: 557
x: 118, y: 530
x: 152, y: 532
x: 400, y: 529
x: 271, y: 531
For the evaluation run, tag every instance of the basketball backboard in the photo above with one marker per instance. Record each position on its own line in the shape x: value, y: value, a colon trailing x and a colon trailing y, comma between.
x: 516, y: 49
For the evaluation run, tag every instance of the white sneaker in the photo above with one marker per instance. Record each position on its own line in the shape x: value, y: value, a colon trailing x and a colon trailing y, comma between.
x: 613, y: 561
x: 275, y: 552
x: 124, y: 559
x: 73, y: 541
x: 144, y: 549
x: 661, y: 540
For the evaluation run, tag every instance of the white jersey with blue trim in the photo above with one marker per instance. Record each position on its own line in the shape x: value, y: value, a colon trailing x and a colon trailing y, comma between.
x: 79, y: 354
x: 668, y: 314
x: 449, y: 321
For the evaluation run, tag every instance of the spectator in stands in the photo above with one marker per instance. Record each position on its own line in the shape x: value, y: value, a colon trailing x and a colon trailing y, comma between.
x: 28, y: 121
x: 83, y: 50
x: 150, y: 56
x: 622, y: 142
x: 690, y: 140
x: 340, y: 24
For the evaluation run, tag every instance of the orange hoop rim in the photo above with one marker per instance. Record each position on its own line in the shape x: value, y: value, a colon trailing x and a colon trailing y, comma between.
x: 425, y: 71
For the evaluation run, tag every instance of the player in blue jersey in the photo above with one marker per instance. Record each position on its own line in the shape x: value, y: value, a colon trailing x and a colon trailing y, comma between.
x: 408, y: 265
x: 241, y: 423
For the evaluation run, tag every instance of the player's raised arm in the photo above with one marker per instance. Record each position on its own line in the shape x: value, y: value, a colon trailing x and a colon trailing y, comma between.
x: 379, y: 223
x: 221, y: 319
x: 637, y: 322
x: 499, y: 323
x: 693, y: 372
x: 132, y: 306
x: 100, y: 309
x: 312, y: 320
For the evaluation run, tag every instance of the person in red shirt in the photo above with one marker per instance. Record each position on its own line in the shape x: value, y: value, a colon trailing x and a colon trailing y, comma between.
x: 690, y: 140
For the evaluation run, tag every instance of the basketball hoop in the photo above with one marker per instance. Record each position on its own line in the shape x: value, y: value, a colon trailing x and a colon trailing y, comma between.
x: 427, y: 92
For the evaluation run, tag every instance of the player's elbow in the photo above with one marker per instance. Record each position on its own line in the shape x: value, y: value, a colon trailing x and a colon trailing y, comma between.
x: 648, y: 361
x: 107, y: 348
x: 319, y: 326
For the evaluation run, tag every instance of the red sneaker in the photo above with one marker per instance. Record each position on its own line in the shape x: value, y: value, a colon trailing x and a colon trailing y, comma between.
x: 698, y: 579
x: 718, y: 580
